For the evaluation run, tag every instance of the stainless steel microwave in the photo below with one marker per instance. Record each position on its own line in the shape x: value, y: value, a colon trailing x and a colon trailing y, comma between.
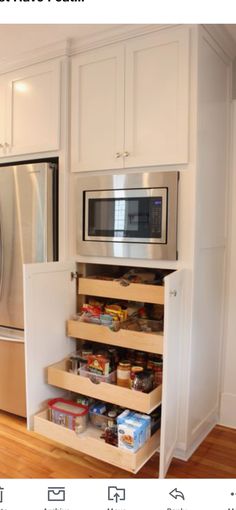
x: 132, y: 216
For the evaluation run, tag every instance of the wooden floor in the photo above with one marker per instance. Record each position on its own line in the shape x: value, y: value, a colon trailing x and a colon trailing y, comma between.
x: 27, y: 455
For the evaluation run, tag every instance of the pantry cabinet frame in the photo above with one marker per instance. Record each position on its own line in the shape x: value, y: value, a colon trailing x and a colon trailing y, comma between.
x: 46, y: 343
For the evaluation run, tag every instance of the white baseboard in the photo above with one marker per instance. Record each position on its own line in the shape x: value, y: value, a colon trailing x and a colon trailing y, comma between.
x: 228, y: 410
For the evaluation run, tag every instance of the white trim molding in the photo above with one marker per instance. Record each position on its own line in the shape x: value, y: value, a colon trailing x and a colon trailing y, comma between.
x: 48, y: 52
x: 228, y: 410
x: 110, y: 35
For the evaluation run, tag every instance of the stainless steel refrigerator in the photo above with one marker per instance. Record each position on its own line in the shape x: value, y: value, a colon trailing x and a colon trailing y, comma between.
x: 28, y: 233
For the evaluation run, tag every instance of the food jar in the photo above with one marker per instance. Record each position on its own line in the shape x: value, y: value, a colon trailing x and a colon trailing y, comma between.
x: 134, y: 371
x: 111, y: 431
x: 74, y: 364
x: 123, y: 374
x: 157, y: 366
x: 143, y: 381
x: 141, y: 359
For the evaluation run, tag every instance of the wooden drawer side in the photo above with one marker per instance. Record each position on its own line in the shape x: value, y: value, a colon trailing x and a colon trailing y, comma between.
x: 148, y: 342
x: 113, y: 289
x: 142, y: 402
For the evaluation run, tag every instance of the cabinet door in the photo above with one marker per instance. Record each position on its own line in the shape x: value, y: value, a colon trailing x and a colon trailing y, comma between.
x: 97, y: 110
x: 33, y: 109
x: 49, y: 299
x: 174, y: 302
x: 156, y: 99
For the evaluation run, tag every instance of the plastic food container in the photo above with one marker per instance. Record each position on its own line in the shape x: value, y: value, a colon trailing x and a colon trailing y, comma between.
x: 100, y: 415
x: 95, y: 378
x: 69, y: 414
x: 99, y: 421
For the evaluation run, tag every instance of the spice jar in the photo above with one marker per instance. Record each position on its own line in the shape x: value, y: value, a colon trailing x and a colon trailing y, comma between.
x: 123, y: 374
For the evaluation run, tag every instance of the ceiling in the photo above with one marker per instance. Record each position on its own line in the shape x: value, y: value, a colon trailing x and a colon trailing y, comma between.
x: 17, y: 39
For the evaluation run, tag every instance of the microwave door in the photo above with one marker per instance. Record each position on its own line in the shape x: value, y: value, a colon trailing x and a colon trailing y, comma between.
x: 134, y: 216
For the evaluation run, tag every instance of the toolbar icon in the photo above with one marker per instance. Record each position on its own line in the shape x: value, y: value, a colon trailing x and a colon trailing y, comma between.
x: 176, y: 494
x: 115, y: 494
x: 1, y: 494
x: 56, y: 494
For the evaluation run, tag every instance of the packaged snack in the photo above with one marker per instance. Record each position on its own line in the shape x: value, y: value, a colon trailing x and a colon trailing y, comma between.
x: 131, y: 434
x: 134, y: 430
x: 98, y: 364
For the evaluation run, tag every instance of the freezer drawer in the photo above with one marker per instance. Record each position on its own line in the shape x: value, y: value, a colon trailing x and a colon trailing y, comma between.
x: 12, y: 377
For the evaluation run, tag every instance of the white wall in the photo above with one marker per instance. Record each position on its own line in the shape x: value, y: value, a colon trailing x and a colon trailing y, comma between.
x: 228, y: 397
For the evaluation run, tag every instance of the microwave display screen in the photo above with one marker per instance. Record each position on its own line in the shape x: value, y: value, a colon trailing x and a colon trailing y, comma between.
x: 135, y: 218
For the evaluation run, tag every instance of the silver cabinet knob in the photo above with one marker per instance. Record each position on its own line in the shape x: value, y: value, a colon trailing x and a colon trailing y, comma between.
x: 173, y: 293
x: 126, y: 154
x: 118, y: 155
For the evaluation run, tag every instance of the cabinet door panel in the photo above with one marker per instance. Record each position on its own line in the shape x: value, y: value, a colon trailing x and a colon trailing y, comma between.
x: 174, y: 302
x: 156, y: 108
x: 49, y: 299
x: 33, y: 109
x: 97, y: 117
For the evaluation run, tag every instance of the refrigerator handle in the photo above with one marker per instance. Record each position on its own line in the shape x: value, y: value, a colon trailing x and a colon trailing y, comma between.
x: 52, y: 214
x: 1, y: 258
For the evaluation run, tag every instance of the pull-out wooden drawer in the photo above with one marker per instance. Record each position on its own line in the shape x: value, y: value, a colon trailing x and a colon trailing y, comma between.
x: 114, y: 289
x: 90, y: 443
x: 148, y: 342
x: 143, y: 402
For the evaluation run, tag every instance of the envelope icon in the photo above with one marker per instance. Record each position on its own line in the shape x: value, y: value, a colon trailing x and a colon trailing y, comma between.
x: 56, y: 494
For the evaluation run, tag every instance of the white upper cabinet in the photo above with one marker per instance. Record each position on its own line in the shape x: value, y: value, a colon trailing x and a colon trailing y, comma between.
x: 156, y: 99
x: 130, y: 103
x: 31, y: 121
x: 97, y: 114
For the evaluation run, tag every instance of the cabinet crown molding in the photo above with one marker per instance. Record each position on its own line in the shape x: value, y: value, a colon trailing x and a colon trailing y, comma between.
x: 222, y: 38
x: 114, y: 35
x: 47, y: 52
x: 68, y: 47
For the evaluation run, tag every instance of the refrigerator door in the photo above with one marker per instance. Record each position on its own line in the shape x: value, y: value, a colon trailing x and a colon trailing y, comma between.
x: 26, y: 211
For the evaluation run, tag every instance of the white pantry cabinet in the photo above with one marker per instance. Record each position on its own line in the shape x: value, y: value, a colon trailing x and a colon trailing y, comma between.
x: 30, y: 122
x: 129, y: 103
x: 50, y: 299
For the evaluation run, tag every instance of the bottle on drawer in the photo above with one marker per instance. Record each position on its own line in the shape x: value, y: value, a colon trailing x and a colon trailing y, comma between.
x: 123, y: 373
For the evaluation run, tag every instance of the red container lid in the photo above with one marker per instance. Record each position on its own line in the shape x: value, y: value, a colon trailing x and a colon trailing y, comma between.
x: 54, y: 404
